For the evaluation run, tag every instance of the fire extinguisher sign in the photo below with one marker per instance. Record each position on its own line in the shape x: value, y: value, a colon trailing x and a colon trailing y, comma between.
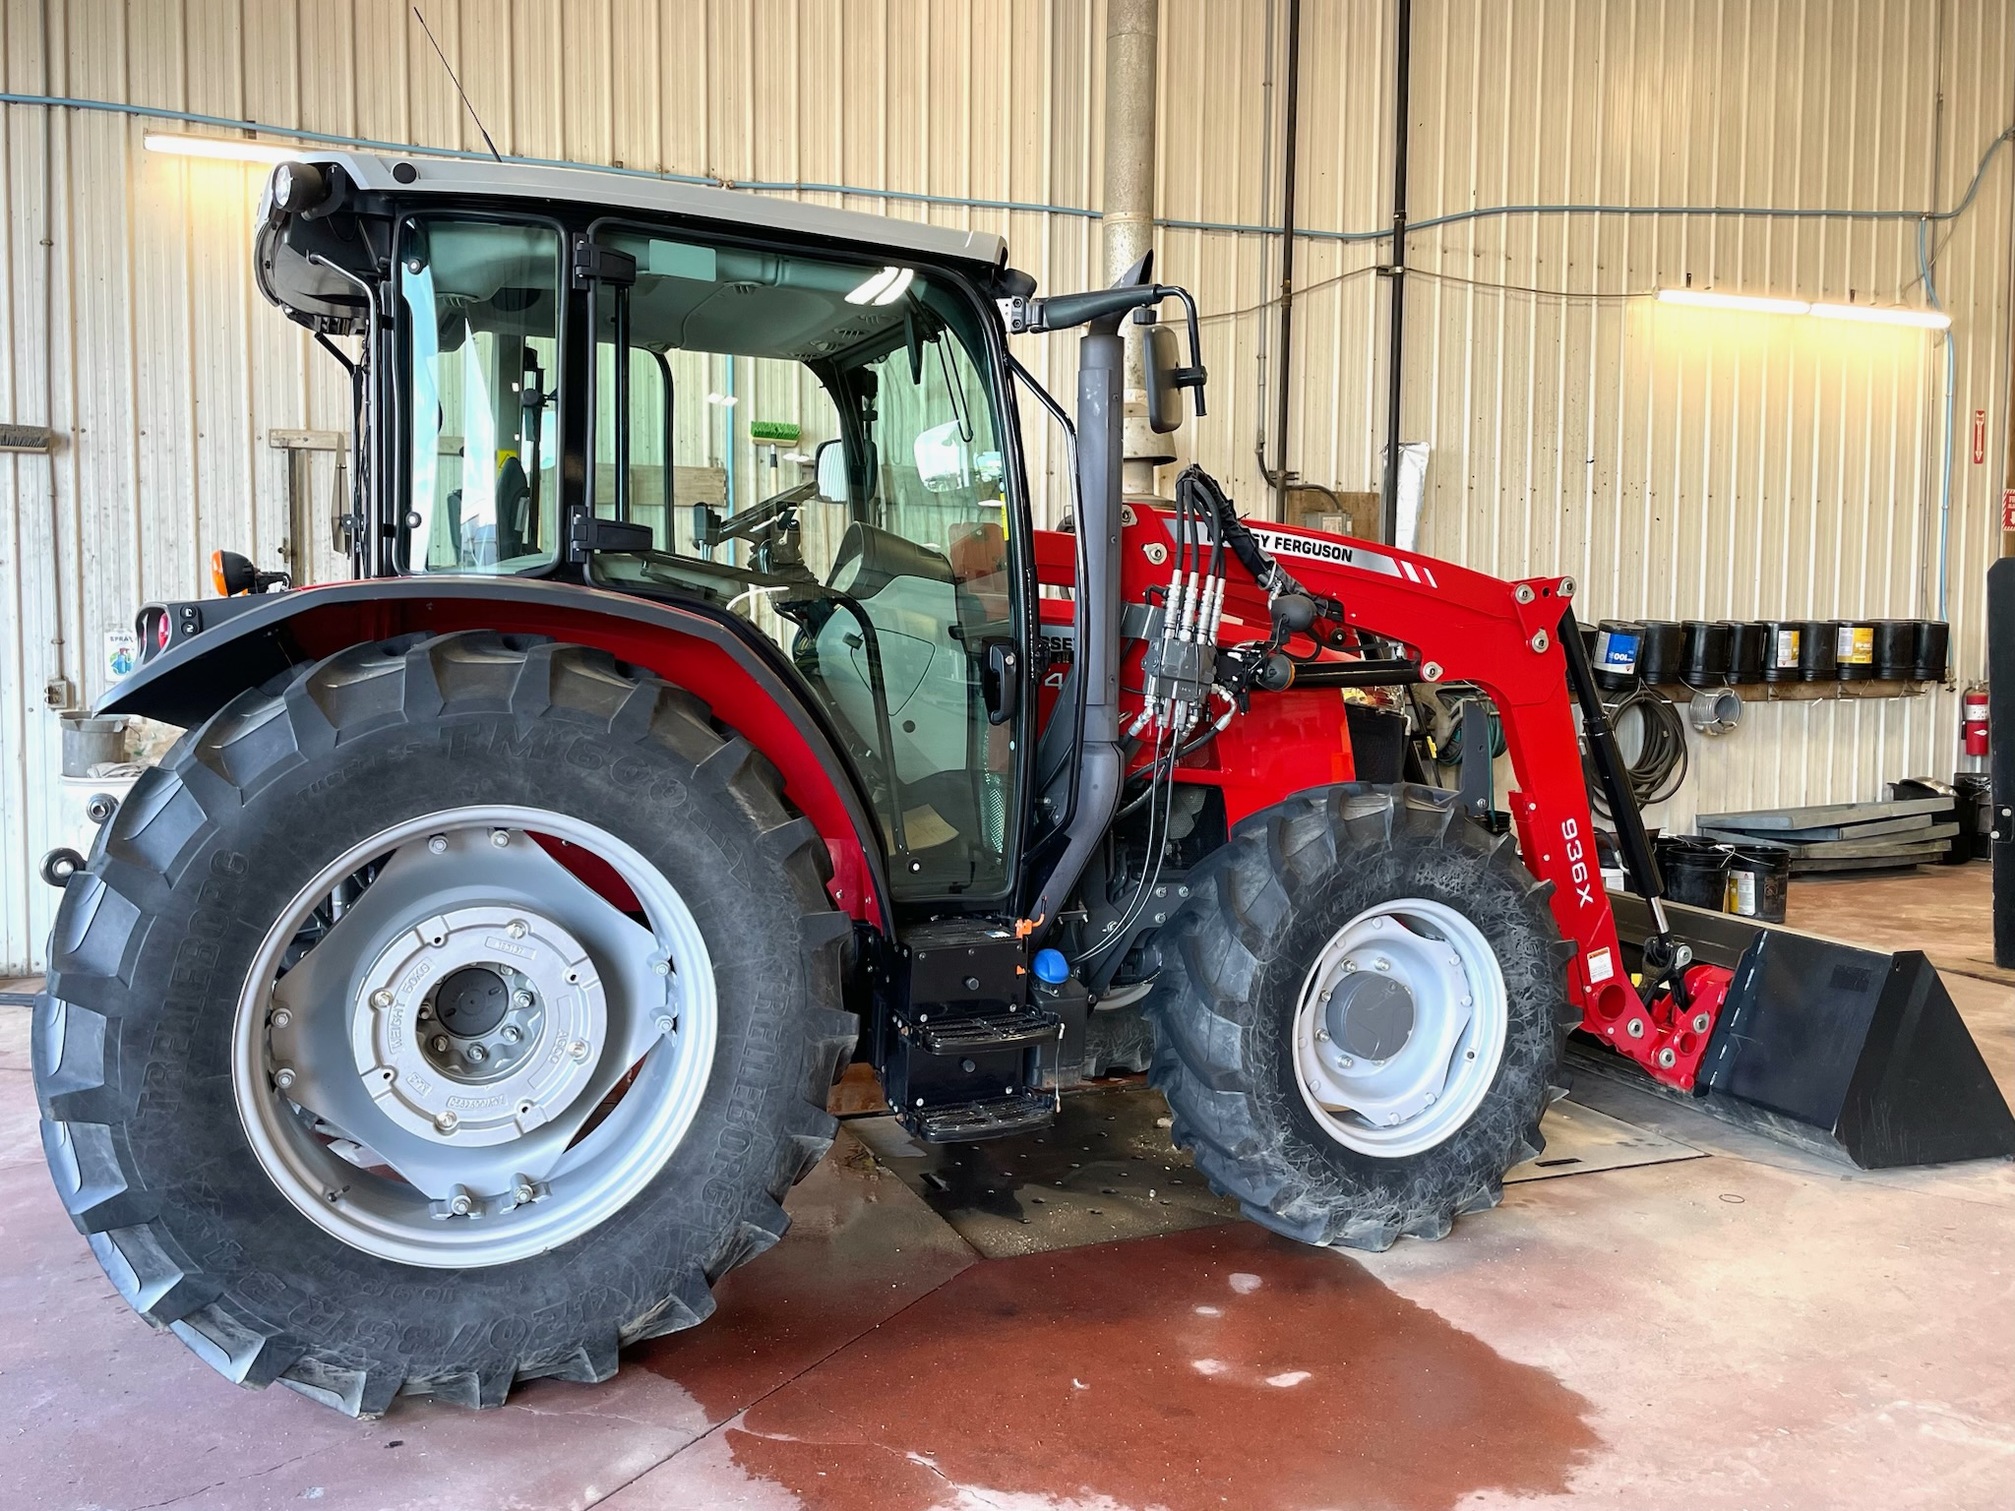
x: 1979, y: 436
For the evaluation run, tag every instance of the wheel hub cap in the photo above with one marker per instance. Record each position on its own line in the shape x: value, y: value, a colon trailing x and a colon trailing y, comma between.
x: 472, y: 1001
x: 1371, y: 1016
x: 483, y: 1089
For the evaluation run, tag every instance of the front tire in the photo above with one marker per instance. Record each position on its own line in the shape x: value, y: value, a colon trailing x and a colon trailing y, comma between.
x: 637, y: 1075
x: 1413, y: 1110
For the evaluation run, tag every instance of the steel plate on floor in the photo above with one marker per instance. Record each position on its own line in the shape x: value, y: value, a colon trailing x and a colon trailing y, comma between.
x: 1106, y: 1170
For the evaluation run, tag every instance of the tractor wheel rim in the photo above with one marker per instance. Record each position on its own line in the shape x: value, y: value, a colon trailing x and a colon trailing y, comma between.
x: 1400, y: 1028
x: 451, y: 1051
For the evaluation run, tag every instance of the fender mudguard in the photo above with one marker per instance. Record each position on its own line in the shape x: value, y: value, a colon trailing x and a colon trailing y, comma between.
x: 218, y: 648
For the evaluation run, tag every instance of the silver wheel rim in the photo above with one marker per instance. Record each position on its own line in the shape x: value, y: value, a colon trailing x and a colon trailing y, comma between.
x: 505, y: 1137
x: 1400, y: 1028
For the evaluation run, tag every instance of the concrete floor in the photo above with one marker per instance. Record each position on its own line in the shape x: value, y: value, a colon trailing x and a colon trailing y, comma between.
x: 1754, y: 1329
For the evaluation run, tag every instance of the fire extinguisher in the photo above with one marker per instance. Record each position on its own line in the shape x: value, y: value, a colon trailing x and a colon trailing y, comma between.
x: 1973, y: 719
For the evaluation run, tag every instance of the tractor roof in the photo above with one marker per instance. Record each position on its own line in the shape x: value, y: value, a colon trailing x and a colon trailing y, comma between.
x: 466, y: 178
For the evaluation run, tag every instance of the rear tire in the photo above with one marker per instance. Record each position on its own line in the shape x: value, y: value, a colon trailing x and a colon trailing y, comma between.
x: 1237, y: 965
x: 155, y: 945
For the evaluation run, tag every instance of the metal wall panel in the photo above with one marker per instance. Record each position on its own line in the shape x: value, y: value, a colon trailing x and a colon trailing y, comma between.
x: 1676, y: 462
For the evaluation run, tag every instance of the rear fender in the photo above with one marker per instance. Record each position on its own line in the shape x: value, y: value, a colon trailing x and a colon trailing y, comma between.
x: 239, y: 644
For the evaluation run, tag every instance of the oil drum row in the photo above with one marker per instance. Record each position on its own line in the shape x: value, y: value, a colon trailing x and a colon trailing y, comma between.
x: 1718, y: 652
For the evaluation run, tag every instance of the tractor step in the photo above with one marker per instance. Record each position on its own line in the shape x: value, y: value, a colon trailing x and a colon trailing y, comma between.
x: 993, y: 1117
x: 989, y: 1031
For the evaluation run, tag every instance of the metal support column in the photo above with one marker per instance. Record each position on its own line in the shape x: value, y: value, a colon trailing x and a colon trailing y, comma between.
x: 1132, y: 48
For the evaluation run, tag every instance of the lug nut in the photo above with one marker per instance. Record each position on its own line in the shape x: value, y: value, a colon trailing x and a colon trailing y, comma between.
x: 381, y: 999
x: 578, y: 1049
x: 283, y: 1078
x: 511, y: 1033
x: 281, y: 1018
x: 440, y: 1044
x: 1384, y: 965
x: 438, y: 844
x: 460, y: 1205
x: 500, y: 837
x: 478, y: 1054
x: 524, y: 1192
x: 661, y: 967
x: 515, y: 928
x: 521, y: 998
x: 1322, y: 1036
x: 666, y: 1023
x: 446, y: 1122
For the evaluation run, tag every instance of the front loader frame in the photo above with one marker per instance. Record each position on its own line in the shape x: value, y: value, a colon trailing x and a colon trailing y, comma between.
x: 1506, y: 638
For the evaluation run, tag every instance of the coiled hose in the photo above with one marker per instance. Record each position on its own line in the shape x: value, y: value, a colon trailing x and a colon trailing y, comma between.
x: 1659, y: 768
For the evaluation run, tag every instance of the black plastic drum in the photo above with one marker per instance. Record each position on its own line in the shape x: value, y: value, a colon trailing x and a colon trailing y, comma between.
x: 1705, y: 660
x: 1783, y: 640
x: 1659, y: 657
x: 1818, y: 650
x: 1934, y: 638
x: 1747, y: 641
x: 1618, y: 643
x: 1895, y: 649
x: 1854, y: 650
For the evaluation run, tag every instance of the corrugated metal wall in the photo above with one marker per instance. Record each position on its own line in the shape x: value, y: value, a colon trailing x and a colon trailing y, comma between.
x: 1678, y: 462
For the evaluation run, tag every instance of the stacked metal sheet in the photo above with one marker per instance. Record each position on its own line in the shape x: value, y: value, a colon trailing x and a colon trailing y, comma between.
x: 1845, y: 836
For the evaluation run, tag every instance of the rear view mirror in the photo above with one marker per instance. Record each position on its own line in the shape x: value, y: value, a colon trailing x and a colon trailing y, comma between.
x: 830, y: 468
x: 1162, y: 359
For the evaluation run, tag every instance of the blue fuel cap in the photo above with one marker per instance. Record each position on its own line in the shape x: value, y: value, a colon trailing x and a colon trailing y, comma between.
x: 1051, y: 967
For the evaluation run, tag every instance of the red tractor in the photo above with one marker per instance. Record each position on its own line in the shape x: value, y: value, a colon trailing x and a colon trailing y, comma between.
x: 458, y: 1000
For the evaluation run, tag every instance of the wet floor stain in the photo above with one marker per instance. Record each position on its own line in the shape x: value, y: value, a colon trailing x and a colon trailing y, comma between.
x: 1104, y: 1170
x: 859, y: 1249
x: 1193, y: 1371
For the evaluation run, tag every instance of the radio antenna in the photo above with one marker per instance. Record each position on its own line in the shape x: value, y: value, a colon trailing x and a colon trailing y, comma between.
x: 458, y: 85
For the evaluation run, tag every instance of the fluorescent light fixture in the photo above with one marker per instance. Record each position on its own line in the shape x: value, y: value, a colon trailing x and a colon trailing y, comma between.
x: 885, y: 287
x: 1753, y: 303
x: 1866, y: 314
x: 224, y: 148
x: 1874, y: 314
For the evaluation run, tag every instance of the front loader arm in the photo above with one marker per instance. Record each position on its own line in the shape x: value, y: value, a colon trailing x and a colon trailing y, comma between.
x: 1504, y: 637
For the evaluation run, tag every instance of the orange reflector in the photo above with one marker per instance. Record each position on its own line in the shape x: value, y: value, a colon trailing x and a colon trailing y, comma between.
x: 217, y: 574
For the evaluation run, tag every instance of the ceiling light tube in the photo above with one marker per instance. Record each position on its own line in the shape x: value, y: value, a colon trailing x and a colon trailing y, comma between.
x: 1875, y: 314
x: 223, y: 148
x: 1753, y: 303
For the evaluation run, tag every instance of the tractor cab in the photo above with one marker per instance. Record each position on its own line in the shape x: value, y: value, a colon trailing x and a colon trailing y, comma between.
x: 575, y: 382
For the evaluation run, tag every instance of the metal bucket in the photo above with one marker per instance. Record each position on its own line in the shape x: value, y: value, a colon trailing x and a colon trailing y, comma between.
x: 89, y: 742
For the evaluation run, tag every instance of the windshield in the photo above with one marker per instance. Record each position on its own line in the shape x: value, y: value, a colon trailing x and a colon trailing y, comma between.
x: 815, y: 448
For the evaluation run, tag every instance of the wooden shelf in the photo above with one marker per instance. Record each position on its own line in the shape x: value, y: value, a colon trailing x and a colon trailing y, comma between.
x: 1805, y: 692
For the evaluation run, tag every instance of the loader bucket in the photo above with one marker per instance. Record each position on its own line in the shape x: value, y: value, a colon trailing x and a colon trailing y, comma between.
x: 1836, y: 1048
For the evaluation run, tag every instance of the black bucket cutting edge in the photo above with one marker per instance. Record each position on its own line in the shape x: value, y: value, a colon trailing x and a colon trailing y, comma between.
x: 1850, y: 1051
